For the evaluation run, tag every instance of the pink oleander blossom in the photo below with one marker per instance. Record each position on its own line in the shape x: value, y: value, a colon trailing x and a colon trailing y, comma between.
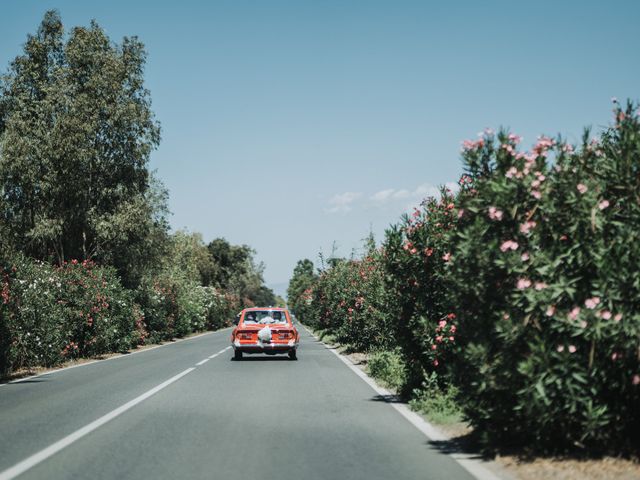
x: 605, y: 314
x: 617, y: 317
x: 582, y: 188
x: 603, y: 204
x: 551, y: 311
x: 636, y: 379
x: 592, y: 303
x: 540, y: 286
x: 536, y: 194
x: 524, y: 257
x: 527, y: 226
x: 446, y: 257
x: 495, y: 213
x: 572, y: 349
x: 573, y: 314
x: 523, y: 283
x: 560, y: 348
x: 512, y: 172
x: 509, y: 245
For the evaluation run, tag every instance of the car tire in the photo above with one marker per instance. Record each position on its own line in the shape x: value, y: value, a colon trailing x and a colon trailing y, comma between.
x: 237, y: 355
x: 293, y: 354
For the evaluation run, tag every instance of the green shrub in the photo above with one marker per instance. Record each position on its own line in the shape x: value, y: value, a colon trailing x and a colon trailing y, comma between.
x: 440, y: 405
x: 50, y: 314
x: 416, y: 256
x: 349, y: 299
x: 545, y: 282
x: 388, y: 366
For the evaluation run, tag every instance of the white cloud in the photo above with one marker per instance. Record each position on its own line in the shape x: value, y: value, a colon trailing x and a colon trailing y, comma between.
x: 382, y: 195
x: 397, y: 198
x: 342, y: 202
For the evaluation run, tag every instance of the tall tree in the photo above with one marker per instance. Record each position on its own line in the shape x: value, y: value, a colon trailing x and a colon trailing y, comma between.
x: 76, y: 132
x: 303, y: 278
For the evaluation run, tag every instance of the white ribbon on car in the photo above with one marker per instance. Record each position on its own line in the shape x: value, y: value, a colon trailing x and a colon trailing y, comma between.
x: 264, y: 335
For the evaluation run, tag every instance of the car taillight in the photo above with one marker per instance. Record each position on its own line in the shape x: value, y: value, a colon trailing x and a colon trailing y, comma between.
x: 285, y: 335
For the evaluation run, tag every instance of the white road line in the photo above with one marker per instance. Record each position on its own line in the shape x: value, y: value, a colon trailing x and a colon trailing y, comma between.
x: 42, y: 455
x: 472, y: 465
x: 218, y: 353
x: 202, y: 362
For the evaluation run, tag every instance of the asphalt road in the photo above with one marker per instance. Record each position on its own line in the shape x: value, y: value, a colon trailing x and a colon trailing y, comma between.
x: 262, y: 417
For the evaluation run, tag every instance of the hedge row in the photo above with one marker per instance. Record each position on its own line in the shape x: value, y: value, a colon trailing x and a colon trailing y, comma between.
x: 521, y: 290
x: 50, y: 314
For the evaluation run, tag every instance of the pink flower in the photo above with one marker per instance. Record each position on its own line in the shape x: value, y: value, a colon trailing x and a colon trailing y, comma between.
x: 560, y: 348
x: 583, y: 324
x: 551, y: 311
x: 535, y: 184
x: 523, y: 283
x: 572, y: 348
x: 442, y: 324
x: 453, y: 329
x: 582, y: 188
x: 451, y: 339
x: 434, y: 347
x: 435, y: 363
x: 540, y: 286
x: 636, y: 379
x: 524, y: 257
x: 460, y: 213
x: 515, y: 138
x: 618, y: 317
x: 592, y: 303
x: 573, y: 314
x: 526, y: 227
x: 603, y: 204
x: 495, y: 213
x: 615, y: 356
x: 605, y: 314
x: 439, y: 339
x: 511, y: 172
x: 446, y: 257
x: 509, y: 245
x: 536, y: 194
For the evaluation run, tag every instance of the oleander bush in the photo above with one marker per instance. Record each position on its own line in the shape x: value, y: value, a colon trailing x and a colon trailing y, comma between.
x: 51, y: 314
x: 517, y: 297
x: 416, y: 260
x: 349, y: 299
x: 546, y: 286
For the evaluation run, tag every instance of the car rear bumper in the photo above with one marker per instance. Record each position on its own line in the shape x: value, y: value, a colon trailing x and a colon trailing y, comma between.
x: 264, y: 347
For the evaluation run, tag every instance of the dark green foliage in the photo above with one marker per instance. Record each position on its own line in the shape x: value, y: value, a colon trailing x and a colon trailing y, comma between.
x: 76, y: 131
x: 519, y: 296
x: 303, y: 278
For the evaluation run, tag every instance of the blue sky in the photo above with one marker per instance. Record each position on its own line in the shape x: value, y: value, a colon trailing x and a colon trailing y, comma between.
x: 289, y: 126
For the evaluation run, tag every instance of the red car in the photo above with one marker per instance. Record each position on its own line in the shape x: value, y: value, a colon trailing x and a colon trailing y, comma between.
x: 265, y: 330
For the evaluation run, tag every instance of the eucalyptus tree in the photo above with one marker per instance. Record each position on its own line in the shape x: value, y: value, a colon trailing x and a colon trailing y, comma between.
x: 76, y: 133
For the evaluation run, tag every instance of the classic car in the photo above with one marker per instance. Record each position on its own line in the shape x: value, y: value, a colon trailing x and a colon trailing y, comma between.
x: 265, y: 330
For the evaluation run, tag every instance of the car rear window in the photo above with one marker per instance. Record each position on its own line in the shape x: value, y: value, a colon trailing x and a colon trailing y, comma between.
x: 264, y: 317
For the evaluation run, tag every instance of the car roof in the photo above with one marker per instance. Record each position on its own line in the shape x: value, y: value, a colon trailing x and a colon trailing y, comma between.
x: 275, y: 309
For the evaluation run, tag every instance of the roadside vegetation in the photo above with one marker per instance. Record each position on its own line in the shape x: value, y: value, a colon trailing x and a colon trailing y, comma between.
x: 88, y: 265
x: 513, y: 301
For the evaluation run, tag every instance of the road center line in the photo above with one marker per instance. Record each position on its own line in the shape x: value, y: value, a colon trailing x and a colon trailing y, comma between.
x: 214, y: 355
x: 51, y: 450
x: 202, y: 362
